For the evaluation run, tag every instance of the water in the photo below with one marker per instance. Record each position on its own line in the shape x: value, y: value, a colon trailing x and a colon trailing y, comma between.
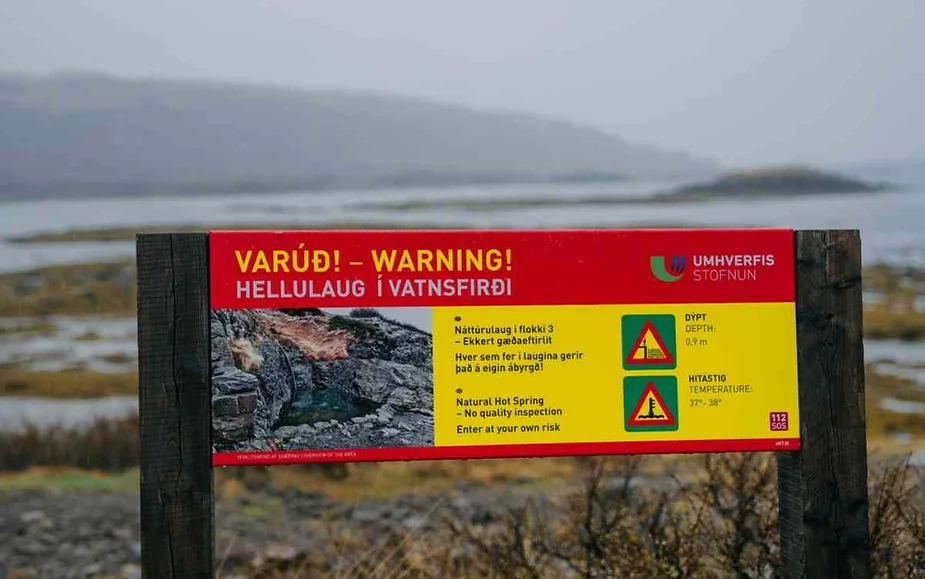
x: 890, y: 225
x: 903, y: 406
x: 889, y: 222
x: 17, y: 412
x: 18, y: 257
x: 98, y: 344
x: 897, y: 351
x: 914, y: 375
x: 323, y: 405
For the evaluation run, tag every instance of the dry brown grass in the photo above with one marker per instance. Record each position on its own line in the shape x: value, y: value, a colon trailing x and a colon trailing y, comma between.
x: 665, y: 516
x: 885, y: 321
x: 71, y: 383
x: 894, y: 314
x: 607, y: 525
x: 310, y: 335
x: 245, y: 354
x: 75, y: 289
x: 106, y: 445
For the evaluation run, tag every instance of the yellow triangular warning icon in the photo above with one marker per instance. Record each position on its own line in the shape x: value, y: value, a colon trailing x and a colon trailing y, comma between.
x: 651, y: 409
x: 649, y: 347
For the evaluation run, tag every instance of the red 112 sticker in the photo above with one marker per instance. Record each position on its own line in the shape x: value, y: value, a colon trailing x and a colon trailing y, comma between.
x: 779, y: 421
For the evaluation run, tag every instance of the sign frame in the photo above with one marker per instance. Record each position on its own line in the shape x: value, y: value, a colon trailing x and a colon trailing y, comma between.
x: 820, y: 490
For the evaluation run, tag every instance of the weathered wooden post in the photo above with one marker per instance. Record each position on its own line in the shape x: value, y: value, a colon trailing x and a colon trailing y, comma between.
x: 174, y: 406
x: 822, y: 488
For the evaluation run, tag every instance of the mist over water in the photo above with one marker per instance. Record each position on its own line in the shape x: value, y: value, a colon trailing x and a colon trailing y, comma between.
x: 890, y: 222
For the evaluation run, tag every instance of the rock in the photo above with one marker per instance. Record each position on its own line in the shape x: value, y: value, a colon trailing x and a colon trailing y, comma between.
x: 367, y: 513
x: 385, y: 414
x: 227, y: 379
x: 32, y: 548
x: 275, y: 553
x: 377, y: 380
x: 223, y: 406
x: 91, y: 570
x: 370, y: 377
x: 403, y: 398
x: 233, y: 417
x: 31, y: 516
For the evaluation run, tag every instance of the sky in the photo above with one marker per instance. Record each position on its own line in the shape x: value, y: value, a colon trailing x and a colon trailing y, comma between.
x: 828, y: 82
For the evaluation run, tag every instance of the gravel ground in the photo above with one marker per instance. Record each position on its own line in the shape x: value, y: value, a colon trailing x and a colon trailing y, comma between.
x: 96, y: 534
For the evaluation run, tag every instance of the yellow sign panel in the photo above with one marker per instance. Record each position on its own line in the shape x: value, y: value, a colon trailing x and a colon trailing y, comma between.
x: 547, y: 374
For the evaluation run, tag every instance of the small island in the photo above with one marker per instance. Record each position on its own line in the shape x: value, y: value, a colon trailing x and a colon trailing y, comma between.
x: 772, y: 181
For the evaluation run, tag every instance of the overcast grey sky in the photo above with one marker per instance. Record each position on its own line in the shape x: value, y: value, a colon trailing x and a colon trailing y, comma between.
x: 827, y: 81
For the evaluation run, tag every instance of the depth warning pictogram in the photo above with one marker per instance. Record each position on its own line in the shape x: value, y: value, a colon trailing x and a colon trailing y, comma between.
x: 649, y: 342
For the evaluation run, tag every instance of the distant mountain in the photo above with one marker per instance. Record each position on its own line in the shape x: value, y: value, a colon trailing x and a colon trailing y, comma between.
x: 99, y: 135
x: 774, y: 181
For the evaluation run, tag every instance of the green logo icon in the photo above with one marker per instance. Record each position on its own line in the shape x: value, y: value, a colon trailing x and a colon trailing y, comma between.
x: 650, y: 403
x: 649, y: 342
x: 665, y: 270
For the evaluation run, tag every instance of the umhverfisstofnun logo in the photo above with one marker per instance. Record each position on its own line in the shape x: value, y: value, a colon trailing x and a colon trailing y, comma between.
x: 668, y: 270
x: 710, y: 267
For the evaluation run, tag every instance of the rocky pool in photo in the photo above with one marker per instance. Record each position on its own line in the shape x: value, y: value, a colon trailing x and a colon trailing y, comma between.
x: 311, y: 379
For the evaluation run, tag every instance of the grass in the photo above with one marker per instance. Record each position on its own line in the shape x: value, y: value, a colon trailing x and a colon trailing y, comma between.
x: 885, y: 322
x: 106, y: 445
x: 115, y: 234
x: 543, y: 202
x: 27, y: 328
x: 607, y: 521
x: 882, y: 423
x: 112, y: 234
x: 388, y: 479
x: 495, y: 204
x: 18, y: 381
x: 894, y: 314
x: 75, y: 289
x: 70, y: 480
x: 88, y: 337
x: 598, y: 517
x: 117, y: 358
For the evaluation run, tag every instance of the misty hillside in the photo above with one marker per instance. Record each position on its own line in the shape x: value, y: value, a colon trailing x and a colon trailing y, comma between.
x: 99, y: 135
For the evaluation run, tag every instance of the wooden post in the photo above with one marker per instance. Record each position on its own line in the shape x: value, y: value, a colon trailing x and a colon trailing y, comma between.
x: 177, y: 512
x: 823, y: 487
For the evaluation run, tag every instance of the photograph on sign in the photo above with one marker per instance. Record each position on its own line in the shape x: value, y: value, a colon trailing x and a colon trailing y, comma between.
x: 323, y: 379
x: 404, y: 345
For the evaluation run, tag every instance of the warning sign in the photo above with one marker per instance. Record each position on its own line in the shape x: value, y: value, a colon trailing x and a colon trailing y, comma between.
x: 454, y: 344
x: 649, y: 342
x: 650, y: 403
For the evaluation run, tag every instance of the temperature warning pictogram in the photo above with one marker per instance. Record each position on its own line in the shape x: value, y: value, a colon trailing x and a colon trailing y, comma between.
x: 650, y: 403
x: 649, y: 342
